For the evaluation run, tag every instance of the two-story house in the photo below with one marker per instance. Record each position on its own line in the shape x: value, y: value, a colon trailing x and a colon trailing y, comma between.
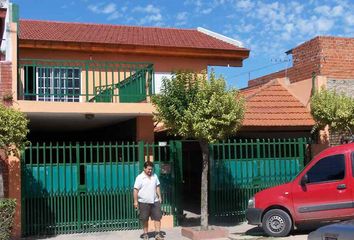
x: 86, y: 90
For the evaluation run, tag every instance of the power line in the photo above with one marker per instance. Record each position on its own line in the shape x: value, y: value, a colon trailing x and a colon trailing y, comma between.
x: 257, y: 69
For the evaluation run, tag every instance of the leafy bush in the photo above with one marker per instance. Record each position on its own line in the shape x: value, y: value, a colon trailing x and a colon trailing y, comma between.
x: 13, y: 128
x: 333, y: 109
x: 7, y: 211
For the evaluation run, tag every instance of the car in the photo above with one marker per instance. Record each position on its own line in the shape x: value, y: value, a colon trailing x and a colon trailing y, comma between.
x: 338, y: 231
x: 322, y: 192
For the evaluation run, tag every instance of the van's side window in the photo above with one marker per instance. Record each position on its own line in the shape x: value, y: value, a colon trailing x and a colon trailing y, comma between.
x: 327, y: 169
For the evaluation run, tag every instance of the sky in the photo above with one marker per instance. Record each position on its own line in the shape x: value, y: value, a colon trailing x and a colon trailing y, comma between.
x: 268, y: 28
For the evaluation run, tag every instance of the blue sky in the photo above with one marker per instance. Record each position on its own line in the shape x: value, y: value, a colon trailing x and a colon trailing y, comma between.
x: 268, y: 28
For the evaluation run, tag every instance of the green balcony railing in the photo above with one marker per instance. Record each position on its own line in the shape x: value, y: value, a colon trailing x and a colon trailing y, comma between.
x: 84, y: 81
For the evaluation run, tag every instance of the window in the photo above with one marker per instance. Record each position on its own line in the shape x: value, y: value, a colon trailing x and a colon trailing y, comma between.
x: 327, y: 169
x: 58, y: 84
x: 159, y: 76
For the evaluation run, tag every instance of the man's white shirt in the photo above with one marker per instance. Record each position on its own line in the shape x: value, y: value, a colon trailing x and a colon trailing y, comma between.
x: 147, y: 188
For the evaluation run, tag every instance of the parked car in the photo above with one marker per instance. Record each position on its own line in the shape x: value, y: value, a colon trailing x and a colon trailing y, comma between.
x: 322, y: 192
x: 338, y: 231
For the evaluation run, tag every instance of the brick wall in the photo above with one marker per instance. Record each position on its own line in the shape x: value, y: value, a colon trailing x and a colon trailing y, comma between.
x: 5, y: 81
x: 339, y: 57
x: 327, y: 56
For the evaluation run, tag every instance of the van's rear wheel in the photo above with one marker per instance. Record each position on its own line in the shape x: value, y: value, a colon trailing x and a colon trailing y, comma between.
x: 277, y: 223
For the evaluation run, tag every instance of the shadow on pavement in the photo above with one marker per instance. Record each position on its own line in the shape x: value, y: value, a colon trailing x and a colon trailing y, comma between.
x: 153, y: 234
x: 258, y: 232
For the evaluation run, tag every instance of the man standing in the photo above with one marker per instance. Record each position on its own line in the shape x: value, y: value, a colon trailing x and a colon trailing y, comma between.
x: 147, y: 197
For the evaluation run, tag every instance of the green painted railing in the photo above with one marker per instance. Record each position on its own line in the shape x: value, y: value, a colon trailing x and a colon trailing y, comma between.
x: 85, y: 187
x: 84, y: 81
x: 240, y: 168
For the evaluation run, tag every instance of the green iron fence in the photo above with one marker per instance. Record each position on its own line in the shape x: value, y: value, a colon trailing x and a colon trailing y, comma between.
x: 240, y: 168
x: 84, y: 81
x: 86, y: 187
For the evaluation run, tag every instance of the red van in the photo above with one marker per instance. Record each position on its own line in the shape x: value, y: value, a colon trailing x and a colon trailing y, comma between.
x: 323, y: 191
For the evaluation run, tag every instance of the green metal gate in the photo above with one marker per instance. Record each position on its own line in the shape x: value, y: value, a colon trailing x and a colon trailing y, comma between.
x: 240, y: 168
x: 87, y: 187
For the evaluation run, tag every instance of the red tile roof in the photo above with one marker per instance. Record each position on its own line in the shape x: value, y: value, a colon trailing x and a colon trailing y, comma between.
x: 120, y: 35
x: 273, y: 105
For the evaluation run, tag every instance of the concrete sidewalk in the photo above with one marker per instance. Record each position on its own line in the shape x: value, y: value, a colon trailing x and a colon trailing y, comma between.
x: 238, y: 232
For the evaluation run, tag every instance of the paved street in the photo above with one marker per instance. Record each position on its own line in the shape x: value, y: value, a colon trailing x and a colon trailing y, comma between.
x: 239, y: 232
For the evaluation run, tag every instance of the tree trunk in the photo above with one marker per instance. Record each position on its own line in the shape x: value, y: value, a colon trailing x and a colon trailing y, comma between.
x: 204, y: 186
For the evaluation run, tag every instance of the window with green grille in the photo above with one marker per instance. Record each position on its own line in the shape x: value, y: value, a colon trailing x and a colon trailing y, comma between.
x: 54, y: 84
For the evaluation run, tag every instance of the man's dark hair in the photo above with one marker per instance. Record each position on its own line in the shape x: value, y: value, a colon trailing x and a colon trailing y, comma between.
x: 148, y: 164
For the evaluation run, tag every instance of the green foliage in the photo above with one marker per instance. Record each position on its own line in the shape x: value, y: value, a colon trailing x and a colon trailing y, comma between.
x: 13, y: 128
x: 333, y: 109
x: 7, y: 211
x: 193, y: 107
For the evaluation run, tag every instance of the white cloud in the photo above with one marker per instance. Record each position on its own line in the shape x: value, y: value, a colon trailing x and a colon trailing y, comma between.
x: 94, y: 8
x: 244, y: 4
x: 181, y: 18
x: 207, y: 10
x: 337, y: 10
x: 147, y: 9
x: 245, y: 28
x: 101, y: 8
x: 114, y: 15
x: 326, y: 10
x: 153, y: 15
x: 324, y: 25
x: 349, y: 19
x: 109, y: 9
x: 296, y: 7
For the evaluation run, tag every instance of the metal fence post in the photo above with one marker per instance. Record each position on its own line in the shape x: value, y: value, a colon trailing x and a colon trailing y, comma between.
x: 141, y: 155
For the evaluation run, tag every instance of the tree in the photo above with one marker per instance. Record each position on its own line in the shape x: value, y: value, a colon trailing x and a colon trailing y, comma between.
x: 13, y: 128
x: 333, y: 109
x: 191, y: 106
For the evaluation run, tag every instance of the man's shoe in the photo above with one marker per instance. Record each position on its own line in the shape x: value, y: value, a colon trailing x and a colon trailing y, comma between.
x: 159, y: 237
x: 145, y: 236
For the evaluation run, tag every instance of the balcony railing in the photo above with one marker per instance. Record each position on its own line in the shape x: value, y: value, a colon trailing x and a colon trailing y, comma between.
x: 84, y: 81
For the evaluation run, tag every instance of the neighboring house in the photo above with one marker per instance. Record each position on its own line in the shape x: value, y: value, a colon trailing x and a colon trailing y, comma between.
x: 80, y: 83
x: 322, y: 61
x: 272, y: 111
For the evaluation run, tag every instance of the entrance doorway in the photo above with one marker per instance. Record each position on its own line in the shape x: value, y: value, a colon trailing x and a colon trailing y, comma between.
x: 192, y: 172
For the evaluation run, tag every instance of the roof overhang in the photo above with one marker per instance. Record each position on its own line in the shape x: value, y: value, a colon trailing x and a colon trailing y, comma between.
x: 216, y: 56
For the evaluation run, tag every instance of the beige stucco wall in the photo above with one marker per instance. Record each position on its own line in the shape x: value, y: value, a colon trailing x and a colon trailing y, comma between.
x: 161, y: 64
x: 302, y: 90
x: 126, y: 109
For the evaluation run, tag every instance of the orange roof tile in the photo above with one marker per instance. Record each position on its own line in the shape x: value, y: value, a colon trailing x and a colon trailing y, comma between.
x: 273, y: 105
x: 120, y: 35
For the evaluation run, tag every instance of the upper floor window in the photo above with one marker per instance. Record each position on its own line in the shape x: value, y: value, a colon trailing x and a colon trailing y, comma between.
x: 58, y: 84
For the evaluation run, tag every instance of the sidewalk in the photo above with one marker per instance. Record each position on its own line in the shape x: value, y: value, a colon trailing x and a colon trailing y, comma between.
x: 238, y: 232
